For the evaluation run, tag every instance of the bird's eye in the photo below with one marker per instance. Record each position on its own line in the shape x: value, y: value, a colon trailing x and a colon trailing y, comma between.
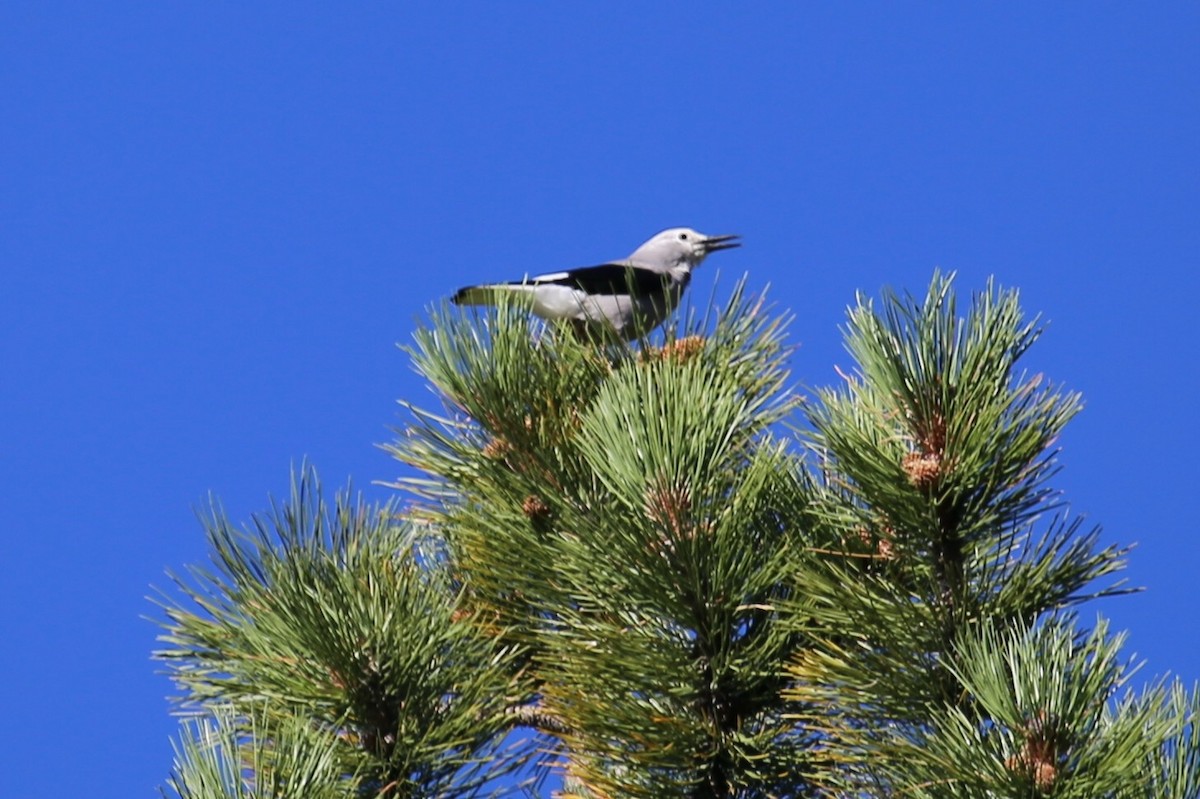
x: 683, y: 237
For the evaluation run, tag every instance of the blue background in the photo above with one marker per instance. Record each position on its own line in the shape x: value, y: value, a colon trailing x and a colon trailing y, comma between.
x: 217, y: 219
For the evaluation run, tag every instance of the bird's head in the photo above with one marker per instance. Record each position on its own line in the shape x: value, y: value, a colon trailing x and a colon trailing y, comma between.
x: 681, y: 246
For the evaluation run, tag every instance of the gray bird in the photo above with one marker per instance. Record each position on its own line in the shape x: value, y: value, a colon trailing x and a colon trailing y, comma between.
x: 631, y: 297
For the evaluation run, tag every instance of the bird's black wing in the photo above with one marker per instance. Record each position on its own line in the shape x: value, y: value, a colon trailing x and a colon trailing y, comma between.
x: 607, y: 279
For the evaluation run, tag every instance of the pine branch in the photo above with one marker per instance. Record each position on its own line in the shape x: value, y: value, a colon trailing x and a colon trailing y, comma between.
x: 623, y: 515
x: 325, y: 616
x: 936, y: 455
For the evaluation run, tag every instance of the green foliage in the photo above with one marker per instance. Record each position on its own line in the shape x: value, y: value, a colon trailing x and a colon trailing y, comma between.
x: 1175, y: 770
x: 935, y: 456
x: 259, y: 756
x: 328, y: 613
x: 940, y: 447
x: 1044, y: 719
x: 617, y: 549
x: 624, y: 514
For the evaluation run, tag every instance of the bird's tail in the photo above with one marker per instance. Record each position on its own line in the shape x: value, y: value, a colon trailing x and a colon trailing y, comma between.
x: 491, y: 294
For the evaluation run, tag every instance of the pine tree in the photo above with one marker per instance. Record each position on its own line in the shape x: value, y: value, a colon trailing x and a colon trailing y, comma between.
x: 658, y: 571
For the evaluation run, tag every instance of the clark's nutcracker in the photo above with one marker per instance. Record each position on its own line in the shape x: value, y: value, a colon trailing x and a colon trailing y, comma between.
x: 632, y: 296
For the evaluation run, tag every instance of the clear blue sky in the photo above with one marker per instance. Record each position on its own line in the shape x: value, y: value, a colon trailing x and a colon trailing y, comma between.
x: 217, y: 219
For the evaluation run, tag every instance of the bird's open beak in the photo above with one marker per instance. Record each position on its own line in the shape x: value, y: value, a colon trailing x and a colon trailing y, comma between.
x: 714, y: 243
